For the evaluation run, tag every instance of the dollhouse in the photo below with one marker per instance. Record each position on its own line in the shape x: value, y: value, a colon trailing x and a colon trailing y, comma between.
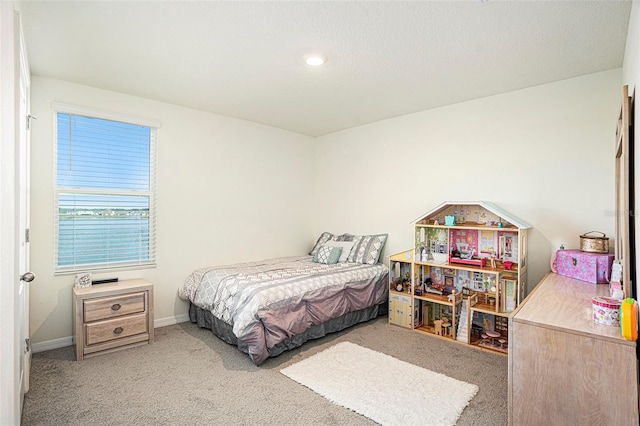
x: 467, y: 271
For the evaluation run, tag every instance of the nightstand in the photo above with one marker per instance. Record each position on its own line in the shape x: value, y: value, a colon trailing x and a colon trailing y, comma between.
x: 111, y: 317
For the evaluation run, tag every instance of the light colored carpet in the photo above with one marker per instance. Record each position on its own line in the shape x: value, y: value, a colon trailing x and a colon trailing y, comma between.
x: 349, y: 375
x: 190, y: 377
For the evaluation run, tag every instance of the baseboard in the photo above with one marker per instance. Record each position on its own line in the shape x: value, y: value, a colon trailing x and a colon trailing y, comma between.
x: 68, y: 341
x: 163, y: 322
x: 47, y: 345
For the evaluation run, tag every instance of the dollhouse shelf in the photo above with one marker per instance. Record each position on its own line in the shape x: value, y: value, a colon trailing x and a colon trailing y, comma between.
x: 488, y: 309
x: 468, y: 225
x: 460, y: 266
x: 476, y: 299
x: 441, y: 299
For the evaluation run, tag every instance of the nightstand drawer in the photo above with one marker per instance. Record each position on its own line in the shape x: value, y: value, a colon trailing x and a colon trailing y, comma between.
x: 115, y: 306
x: 116, y: 328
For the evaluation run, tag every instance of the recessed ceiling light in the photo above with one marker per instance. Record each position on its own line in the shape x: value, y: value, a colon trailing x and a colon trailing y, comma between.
x: 315, y: 60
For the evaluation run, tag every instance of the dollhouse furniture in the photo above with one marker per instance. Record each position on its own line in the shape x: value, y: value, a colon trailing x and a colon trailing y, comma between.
x: 493, y: 335
x: 400, y: 309
x: 446, y: 326
x: 476, y: 331
x: 564, y: 368
x: 437, y: 327
x: 470, y: 269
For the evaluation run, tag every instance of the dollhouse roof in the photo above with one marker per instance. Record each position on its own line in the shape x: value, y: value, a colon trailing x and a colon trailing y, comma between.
x: 508, y: 217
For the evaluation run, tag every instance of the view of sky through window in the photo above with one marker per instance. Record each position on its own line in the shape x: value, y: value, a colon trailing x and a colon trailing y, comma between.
x: 103, y: 191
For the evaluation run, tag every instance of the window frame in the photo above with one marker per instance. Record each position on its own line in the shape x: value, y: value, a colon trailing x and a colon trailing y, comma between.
x: 153, y: 126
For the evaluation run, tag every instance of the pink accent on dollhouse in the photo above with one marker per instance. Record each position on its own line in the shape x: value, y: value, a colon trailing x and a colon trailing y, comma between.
x: 464, y: 236
x: 481, y: 262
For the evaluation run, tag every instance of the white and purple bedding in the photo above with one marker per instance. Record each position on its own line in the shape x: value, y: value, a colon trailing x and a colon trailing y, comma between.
x: 269, y: 301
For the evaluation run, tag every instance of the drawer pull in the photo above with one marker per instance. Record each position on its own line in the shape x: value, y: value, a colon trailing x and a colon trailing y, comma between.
x: 118, y: 330
x: 115, y: 306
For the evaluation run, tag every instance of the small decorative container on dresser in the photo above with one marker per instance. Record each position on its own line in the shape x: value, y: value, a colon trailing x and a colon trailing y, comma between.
x: 591, y: 267
x: 113, y: 316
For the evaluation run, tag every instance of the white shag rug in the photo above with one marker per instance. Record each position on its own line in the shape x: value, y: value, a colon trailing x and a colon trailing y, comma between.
x: 381, y: 387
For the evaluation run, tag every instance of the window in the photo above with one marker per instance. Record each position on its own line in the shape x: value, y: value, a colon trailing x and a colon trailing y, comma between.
x: 104, y: 200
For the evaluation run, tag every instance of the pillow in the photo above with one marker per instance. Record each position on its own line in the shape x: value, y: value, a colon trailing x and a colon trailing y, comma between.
x: 367, y: 249
x: 327, y: 255
x: 355, y: 239
x: 324, y: 237
x: 345, y: 237
x: 346, y: 248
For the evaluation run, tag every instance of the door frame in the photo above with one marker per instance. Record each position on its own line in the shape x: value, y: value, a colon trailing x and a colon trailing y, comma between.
x: 23, y: 212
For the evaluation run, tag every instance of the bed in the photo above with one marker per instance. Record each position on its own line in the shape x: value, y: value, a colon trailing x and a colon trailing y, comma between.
x: 270, y: 306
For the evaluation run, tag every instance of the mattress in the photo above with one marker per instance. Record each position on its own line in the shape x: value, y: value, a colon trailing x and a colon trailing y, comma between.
x: 262, y: 306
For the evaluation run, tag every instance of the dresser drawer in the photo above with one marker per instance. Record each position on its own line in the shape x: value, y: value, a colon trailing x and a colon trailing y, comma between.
x: 114, y: 306
x: 116, y: 328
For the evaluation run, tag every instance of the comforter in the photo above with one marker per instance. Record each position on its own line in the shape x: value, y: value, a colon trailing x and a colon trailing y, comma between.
x: 268, y: 301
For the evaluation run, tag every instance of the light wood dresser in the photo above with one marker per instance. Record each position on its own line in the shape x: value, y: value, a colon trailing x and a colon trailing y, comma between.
x: 565, y: 369
x: 113, y: 316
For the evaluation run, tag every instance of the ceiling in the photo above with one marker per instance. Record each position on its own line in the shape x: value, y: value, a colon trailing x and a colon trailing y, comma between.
x: 385, y: 59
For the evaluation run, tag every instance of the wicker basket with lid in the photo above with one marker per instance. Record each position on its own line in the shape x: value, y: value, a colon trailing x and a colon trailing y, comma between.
x: 594, y: 244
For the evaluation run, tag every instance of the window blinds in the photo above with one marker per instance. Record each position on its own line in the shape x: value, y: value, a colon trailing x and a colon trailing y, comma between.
x: 104, y: 213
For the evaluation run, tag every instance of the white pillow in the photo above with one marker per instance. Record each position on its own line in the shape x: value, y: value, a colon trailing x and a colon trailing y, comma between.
x: 346, y: 248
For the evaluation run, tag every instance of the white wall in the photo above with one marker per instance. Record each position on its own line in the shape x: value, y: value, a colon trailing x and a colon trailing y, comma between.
x: 631, y: 77
x: 545, y: 154
x: 228, y: 190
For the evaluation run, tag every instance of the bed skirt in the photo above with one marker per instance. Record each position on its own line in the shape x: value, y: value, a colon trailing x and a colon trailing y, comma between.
x: 224, y: 331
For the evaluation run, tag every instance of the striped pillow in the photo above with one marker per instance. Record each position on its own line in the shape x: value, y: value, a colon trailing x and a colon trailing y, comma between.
x: 324, y: 237
x: 367, y: 248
